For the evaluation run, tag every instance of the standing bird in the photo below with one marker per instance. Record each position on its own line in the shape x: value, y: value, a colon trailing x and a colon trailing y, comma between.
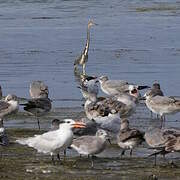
x: 83, y: 58
x: 156, y: 91
x: 161, y: 105
x: 114, y: 87
x: 53, y: 141
x: 163, y: 141
x: 91, y: 145
x: 38, y: 107
x: 128, y: 138
x: 40, y: 104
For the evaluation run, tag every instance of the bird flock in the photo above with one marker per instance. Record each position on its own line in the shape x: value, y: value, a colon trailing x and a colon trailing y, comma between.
x: 106, y: 117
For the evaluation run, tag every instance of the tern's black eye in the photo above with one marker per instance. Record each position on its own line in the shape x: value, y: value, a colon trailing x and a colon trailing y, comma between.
x: 68, y: 121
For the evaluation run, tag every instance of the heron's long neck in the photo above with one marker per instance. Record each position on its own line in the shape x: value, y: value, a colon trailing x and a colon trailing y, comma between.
x: 87, y: 43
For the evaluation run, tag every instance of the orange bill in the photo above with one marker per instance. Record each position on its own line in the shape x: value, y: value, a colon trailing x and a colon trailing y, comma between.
x: 79, y: 125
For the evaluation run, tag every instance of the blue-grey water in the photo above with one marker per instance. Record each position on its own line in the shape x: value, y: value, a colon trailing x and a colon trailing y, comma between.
x: 135, y: 40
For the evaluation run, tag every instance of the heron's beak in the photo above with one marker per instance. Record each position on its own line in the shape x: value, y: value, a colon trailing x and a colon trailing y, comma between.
x: 79, y: 125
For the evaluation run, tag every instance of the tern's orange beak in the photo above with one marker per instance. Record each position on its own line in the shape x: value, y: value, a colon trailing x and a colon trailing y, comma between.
x: 79, y: 125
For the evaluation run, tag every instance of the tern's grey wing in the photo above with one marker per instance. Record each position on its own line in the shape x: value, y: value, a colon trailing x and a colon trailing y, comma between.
x: 119, y: 85
x: 90, y: 144
x: 162, y: 100
x: 129, y: 134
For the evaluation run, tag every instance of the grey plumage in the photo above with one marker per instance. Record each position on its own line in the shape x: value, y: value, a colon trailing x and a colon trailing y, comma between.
x: 90, y: 145
x: 114, y: 87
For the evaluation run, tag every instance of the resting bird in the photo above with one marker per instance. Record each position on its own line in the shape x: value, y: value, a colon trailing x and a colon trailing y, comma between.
x: 128, y: 138
x: 40, y: 104
x: 83, y: 58
x: 53, y: 141
x: 162, y: 105
x: 162, y: 140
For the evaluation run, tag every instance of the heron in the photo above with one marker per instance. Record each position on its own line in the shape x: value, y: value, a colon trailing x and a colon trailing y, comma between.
x: 83, y: 58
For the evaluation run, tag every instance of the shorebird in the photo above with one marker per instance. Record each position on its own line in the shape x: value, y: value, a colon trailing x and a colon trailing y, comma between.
x: 53, y: 141
x: 162, y: 140
x: 83, y: 58
x: 3, y: 136
x: 100, y: 107
x: 38, y: 107
x: 38, y: 89
x: 128, y: 138
x: 40, y: 104
x: 161, y: 105
x: 156, y: 91
x: 9, y: 105
x: 91, y: 145
x: 114, y: 87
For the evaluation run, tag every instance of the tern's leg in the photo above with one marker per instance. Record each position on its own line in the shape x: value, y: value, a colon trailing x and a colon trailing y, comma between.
x: 122, y: 153
x: 131, y: 153
x: 155, y: 158
x: 151, y: 115
x: 52, y: 158
x: 38, y: 123
x: 58, y: 157
x: 37, y: 120
x: 92, y: 163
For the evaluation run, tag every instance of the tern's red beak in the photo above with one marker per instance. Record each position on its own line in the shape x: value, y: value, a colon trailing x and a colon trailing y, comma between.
x: 79, y: 125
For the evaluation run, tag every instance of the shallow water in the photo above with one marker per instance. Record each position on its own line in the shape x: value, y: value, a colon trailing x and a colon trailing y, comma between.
x: 135, y: 40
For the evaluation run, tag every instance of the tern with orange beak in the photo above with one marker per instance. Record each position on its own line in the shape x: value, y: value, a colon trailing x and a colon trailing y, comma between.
x: 53, y: 141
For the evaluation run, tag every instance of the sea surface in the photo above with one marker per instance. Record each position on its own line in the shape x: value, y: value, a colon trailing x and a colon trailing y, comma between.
x: 134, y: 40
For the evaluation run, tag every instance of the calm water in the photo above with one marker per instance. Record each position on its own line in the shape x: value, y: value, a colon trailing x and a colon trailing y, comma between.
x: 135, y: 40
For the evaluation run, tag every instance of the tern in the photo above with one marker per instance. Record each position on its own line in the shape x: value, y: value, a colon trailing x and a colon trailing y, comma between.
x: 114, y: 87
x: 91, y: 145
x: 53, y: 141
